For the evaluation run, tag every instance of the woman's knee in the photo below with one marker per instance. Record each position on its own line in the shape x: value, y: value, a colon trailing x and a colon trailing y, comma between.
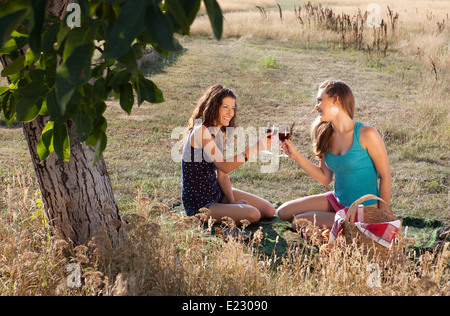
x: 281, y: 213
x: 318, y: 219
x: 267, y: 211
x: 253, y: 215
x: 313, y: 203
x: 284, y: 212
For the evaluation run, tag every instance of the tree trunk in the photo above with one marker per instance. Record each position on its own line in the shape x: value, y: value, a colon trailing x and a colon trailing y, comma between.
x: 78, y: 197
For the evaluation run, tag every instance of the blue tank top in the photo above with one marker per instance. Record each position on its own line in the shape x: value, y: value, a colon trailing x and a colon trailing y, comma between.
x: 199, y: 179
x: 355, y: 173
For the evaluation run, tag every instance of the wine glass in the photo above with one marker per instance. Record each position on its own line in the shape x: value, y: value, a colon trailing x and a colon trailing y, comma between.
x: 283, y: 134
x: 269, y: 129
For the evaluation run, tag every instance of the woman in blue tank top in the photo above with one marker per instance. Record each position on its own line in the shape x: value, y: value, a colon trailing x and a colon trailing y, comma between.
x: 205, y: 181
x: 352, y: 151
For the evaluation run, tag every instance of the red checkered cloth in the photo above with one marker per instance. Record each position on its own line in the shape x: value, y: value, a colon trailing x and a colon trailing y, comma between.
x: 382, y: 233
x: 339, y: 220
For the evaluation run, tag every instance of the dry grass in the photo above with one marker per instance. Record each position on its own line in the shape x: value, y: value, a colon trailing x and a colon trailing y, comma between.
x: 166, y: 254
x: 420, y: 29
x: 238, y: 5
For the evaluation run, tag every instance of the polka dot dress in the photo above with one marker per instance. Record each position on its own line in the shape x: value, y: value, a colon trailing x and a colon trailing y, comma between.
x: 199, y: 185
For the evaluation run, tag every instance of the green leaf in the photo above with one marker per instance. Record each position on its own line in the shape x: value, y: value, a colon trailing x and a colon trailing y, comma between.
x: 49, y: 39
x: 45, y: 143
x: 129, y: 60
x: 98, y: 137
x: 76, y: 68
x: 100, y: 147
x: 191, y: 8
x: 98, y: 70
x: 126, y: 98
x: 14, y: 67
x: 99, y: 89
x: 8, y: 102
x: 179, y: 18
x: 29, y: 57
x: 113, y: 1
x: 28, y: 107
x: 83, y: 124
x: 127, y: 27
x: 12, y: 13
x: 78, y: 36
x: 9, y: 47
x: 148, y: 91
x: 30, y: 100
x: 36, y: 24
x: 215, y: 16
x: 72, y: 74
x: 33, y: 89
x: 54, y: 109
x: 159, y: 28
x: 3, y: 90
x: 101, y: 124
x: 89, y: 108
x: 42, y: 76
x: 120, y: 79
x: 43, y: 110
x: 61, y: 140
x: 100, y: 108
x: 61, y: 37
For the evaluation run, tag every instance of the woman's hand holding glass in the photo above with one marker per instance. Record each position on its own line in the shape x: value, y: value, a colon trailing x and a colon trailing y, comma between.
x: 288, y: 148
x: 283, y: 134
x: 265, y: 142
x: 269, y: 129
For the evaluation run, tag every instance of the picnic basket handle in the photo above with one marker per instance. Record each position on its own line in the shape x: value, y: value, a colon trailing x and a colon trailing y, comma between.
x: 352, y: 209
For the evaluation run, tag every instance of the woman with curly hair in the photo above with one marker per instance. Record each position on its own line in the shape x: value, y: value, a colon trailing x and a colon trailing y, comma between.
x: 205, y: 181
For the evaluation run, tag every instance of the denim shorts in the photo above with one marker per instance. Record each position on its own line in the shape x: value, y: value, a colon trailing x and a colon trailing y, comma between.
x: 218, y: 200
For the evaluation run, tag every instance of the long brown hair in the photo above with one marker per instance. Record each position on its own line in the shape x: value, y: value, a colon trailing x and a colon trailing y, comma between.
x: 208, y: 106
x: 321, y: 132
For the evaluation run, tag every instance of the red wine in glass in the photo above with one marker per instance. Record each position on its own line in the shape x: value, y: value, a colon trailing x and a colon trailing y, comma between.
x: 269, y: 130
x: 283, y: 136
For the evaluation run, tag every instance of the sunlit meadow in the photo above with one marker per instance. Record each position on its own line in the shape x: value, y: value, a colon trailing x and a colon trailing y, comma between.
x: 273, y: 56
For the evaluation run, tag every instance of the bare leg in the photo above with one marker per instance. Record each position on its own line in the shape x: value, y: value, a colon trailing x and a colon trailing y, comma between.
x: 320, y: 219
x: 237, y: 212
x: 256, y: 209
x: 264, y: 207
x: 308, y: 207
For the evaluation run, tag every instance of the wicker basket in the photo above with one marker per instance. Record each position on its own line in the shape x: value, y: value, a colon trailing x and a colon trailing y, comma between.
x: 372, y: 214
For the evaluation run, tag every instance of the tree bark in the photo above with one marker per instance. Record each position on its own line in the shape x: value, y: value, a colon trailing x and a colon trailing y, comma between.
x: 78, y: 197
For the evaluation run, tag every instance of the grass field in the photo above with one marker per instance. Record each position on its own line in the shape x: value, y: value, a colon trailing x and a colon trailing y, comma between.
x: 274, y: 66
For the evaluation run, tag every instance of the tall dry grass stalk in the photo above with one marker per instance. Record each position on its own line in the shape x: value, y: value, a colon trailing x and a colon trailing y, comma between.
x: 418, y: 29
x: 167, y: 254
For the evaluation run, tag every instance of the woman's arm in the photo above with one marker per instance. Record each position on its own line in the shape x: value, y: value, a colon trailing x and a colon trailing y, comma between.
x: 225, y: 186
x: 372, y: 142
x: 320, y: 173
x: 202, y: 137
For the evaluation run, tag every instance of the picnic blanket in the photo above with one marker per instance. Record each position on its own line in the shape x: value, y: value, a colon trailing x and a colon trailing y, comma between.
x: 426, y: 234
x: 278, y: 235
x: 273, y: 231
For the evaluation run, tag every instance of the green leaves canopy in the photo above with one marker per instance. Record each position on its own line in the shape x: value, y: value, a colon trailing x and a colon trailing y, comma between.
x: 53, y: 70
